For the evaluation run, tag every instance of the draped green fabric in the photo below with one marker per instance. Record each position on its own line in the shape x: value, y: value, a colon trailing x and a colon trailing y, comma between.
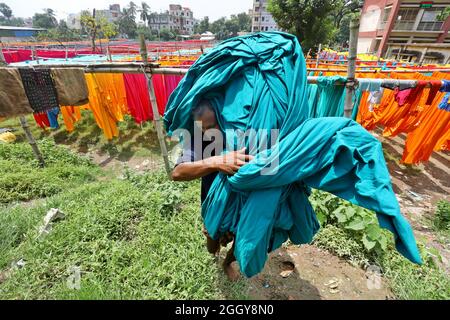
x: 330, y: 97
x: 313, y: 96
x: 259, y: 81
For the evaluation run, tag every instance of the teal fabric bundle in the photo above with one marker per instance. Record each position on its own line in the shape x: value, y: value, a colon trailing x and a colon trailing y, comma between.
x: 259, y: 81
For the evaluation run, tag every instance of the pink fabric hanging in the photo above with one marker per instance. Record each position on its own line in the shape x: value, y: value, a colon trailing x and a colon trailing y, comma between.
x: 171, y: 82
x: 137, y: 97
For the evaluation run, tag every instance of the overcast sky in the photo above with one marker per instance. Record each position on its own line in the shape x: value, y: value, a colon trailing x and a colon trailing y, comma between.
x: 212, y: 8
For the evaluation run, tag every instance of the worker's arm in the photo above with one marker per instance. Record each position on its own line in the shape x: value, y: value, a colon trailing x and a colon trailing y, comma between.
x: 228, y: 163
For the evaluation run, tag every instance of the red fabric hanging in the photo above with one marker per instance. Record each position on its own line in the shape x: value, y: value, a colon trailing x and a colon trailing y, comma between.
x: 160, y: 92
x: 42, y: 120
x: 137, y: 97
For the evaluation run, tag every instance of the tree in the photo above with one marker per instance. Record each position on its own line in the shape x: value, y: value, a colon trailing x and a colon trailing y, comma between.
x: 97, y: 25
x: 132, y: 10
x: 342, y: 8
x: 7, y: 18
x: 145, y: 9
x: 444, y: 14
x: 203, y: 26
x: 6, y: 11
x: 167, y: 35
x: 146, y: 32
x: 46, y: 20
x: 343, y: 33
x: 309, y: 20
x: 245, y: 22
x: 60, y: 34
x: 219, y: 28
x: 127, y: 24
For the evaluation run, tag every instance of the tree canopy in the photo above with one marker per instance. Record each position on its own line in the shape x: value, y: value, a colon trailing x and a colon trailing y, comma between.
x: 7, y: 18
x: 314, y: 21
x: 46, y: 20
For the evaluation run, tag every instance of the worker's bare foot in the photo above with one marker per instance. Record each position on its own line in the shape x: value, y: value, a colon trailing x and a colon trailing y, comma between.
x: 231, y: 273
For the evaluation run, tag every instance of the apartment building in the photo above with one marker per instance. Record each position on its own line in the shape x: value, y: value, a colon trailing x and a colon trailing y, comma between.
x: 112, y: 14
x: 262, y: 20
x: 412, y: 30
x: 178, y: 19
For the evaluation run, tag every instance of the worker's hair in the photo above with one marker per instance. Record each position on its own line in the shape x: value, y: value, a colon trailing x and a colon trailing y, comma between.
x: 200, y: 108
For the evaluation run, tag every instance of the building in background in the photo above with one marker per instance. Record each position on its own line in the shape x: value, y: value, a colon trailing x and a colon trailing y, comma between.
x: 262, y: 20
x: 177, y: 19
x: 16, y: 34
x: 412, y: 30
x: 112, y: 14
x: 74, y: 21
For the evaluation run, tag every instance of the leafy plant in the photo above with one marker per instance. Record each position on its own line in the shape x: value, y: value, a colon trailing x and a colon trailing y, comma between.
x: 441, y: 219
x: 360, y: 223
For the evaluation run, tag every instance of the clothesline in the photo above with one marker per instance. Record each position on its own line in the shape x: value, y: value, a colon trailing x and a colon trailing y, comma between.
x: 157, y: 99
x: 155, y: 69
x: 364, y: 70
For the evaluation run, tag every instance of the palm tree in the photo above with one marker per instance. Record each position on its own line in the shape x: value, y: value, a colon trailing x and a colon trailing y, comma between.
x: 6, y: 11
x: 51, y: 15
x: 132, y: 9
x: 145, y: 8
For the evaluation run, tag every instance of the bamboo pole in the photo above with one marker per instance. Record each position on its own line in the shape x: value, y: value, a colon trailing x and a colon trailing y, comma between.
x: 157, y: 120
x: 352, y: 55
x: 2, y: 58
x: 318, y: 55
x: 31, y: 141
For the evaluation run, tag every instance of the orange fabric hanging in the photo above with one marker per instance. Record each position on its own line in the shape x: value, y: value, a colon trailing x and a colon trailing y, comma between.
x: 432, y: 132
x: 107, y: 100
x: 70, y: 115
x: 412, y: 119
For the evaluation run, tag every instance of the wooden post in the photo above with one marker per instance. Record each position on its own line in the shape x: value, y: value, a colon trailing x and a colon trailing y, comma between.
x: 318, y: 55
x: 31, y: 141
x: 422, y: 58
x: 157, y: 120
x: 2, y: 58
x: 351, y: 68
x: 143, y: 50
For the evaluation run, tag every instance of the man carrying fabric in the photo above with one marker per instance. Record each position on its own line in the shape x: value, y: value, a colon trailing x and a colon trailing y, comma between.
x: 192, y: 165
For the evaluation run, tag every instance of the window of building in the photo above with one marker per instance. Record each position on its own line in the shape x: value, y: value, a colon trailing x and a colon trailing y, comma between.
x: 267, y: 28
x: 384, y: 18
x: 406, y: 18
x: 262, y: 18
x: 256, y: 19
x: 431, y: 20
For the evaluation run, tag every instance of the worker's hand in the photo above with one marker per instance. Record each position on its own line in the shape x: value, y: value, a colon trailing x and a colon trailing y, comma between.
x: 231, y: 162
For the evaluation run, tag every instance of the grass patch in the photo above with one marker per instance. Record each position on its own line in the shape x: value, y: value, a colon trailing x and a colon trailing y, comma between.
x: 23, y: 180
x: 134, y: 139
x: 441, y: 219
x: 137, y: 237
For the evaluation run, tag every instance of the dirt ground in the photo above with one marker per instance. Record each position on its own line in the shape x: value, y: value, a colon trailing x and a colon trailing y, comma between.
x: 309, y: 273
